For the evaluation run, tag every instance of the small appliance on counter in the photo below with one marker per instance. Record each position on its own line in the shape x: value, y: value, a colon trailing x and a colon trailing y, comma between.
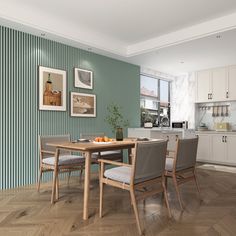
x: 180, y: 125
x: 222, y: 126
x: 202, y: 127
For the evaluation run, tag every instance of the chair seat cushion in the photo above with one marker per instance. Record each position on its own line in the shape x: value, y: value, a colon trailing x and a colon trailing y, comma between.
x: 111, y: 155
x: 121, y: 174
x: 169, y: 164
x: 64, y: 160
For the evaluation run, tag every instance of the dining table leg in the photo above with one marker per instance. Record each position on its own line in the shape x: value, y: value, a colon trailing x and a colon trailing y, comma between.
x: 86, y: 185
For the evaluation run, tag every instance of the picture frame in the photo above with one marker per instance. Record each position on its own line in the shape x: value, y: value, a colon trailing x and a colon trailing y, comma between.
x: 83, y: 78
x: 52, y: 89
x: 83, y: 104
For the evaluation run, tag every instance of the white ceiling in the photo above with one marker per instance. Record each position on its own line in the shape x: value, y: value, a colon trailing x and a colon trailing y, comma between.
x: 158, y: 34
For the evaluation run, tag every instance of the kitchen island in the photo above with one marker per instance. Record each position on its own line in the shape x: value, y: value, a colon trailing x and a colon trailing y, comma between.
x: 169, y: 134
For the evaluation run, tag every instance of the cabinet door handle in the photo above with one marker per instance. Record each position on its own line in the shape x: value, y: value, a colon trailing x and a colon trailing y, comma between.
x: 227, y: 94
x: 223, y: 139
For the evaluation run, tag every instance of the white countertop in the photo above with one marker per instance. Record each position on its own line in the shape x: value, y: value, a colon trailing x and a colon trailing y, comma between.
x: 215, y: 132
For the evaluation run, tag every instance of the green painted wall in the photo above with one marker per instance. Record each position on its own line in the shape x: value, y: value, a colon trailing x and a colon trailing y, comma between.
x: 20, y: 120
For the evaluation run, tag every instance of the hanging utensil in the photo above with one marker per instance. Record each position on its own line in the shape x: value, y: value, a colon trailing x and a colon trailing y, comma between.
x: 227, y: 111
x: 222, y: 110
x: 213, y: 111
x: 217, y: 111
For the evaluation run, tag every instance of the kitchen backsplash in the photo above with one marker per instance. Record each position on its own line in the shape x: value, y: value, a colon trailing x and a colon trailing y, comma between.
x: 205, y: 114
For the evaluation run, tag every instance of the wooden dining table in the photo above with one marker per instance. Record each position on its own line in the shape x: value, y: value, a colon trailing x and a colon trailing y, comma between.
x: 87, y: 148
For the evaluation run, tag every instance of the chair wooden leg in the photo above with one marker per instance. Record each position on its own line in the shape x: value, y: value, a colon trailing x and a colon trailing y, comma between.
x: 81, y: 174
x: 177, y: 191
x: 68, y: 179
x: 196, y: 182
x: 39, y: 178
x: 55, y: 173
x: 132, y: 194
x: 57, y: 188
x: 165, y: 195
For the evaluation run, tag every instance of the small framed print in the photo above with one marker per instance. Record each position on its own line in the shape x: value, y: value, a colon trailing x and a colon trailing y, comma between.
x: 52, y: 89
x: 83, y: 104
x: 83, y: 78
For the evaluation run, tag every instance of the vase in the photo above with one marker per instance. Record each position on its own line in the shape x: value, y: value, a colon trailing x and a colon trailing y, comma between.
x: 119, y: 134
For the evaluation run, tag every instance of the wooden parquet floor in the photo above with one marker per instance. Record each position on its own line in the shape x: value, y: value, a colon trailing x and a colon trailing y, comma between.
x: 24, y: 211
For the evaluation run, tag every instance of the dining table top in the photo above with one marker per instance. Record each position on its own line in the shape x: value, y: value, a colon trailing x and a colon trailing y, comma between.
x: 90, y: 146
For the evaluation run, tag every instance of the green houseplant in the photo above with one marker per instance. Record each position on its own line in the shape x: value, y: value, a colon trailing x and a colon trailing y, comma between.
x: 116, y: 120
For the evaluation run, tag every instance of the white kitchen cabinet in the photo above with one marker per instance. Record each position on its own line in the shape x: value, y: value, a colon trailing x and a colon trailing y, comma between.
x: 219, y: 84
x: 215, y: 85
x: 219, y: 148
x: 203, y: 85
x: 204, y: 147
x: 231, y: 83
x: 230, y: 141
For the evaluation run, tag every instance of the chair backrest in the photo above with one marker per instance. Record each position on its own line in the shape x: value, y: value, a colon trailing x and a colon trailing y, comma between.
x: 150, y: 158
x: 186, y: 153
x: 44, y: 140
x: 91, y: 136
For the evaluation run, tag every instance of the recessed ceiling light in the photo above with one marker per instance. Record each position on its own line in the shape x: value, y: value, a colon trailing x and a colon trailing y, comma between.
x: 43, y: 34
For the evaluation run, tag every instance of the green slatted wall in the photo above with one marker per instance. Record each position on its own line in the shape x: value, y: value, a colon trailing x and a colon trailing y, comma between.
x: 20, y: 120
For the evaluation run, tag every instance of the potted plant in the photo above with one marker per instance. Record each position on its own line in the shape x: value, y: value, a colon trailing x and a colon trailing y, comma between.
x: 116, y: 120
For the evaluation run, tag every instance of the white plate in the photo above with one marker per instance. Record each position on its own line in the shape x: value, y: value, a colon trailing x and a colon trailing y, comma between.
x: 101, y: 142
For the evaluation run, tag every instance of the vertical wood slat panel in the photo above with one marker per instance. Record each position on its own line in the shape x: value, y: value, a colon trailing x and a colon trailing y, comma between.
x: 20, y: 120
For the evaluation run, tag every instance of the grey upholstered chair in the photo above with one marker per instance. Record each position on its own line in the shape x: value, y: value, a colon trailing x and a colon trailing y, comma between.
x: 66, y: 162
x: 147, y: 169
x: 181, y: 168
x: 116, y: 155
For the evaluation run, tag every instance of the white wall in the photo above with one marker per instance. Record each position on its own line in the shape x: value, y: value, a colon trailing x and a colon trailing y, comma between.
x: 183, y: 98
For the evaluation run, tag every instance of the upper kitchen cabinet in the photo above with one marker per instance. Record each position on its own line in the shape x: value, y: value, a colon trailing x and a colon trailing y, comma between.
x: 231, y: 85
x: 219, y: 84
x: 203, y: 85
x: 216, y: 85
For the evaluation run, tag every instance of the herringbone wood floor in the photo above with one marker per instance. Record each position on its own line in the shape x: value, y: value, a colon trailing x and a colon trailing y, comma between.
x: 24, y: 211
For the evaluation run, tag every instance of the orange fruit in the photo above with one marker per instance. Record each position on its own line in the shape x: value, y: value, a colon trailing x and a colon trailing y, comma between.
x: 106, y: 139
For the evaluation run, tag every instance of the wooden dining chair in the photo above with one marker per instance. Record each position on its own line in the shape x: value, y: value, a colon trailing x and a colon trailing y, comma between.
x: 66, y: 162
x: 147, y: 170
x: 115, y: 155
x: 181, y: 168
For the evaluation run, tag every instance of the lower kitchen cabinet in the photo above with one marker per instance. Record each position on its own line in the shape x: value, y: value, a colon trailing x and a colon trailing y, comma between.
x: 217, y: 148
x: 204, y: 147
x: 231, y: 149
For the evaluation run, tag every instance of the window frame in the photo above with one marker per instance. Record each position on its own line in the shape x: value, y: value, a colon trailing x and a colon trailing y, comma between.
x: 158, y: 78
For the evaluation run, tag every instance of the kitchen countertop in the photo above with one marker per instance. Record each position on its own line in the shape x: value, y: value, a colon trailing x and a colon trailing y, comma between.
x: 216, y: 132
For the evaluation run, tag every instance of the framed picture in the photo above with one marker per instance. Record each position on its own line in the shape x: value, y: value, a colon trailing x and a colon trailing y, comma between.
x: 52, y: 89
x: 83, y: 104
x: 83, y: 78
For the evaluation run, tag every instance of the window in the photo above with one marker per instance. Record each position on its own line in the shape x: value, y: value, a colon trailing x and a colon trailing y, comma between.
x: 155, y: 100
